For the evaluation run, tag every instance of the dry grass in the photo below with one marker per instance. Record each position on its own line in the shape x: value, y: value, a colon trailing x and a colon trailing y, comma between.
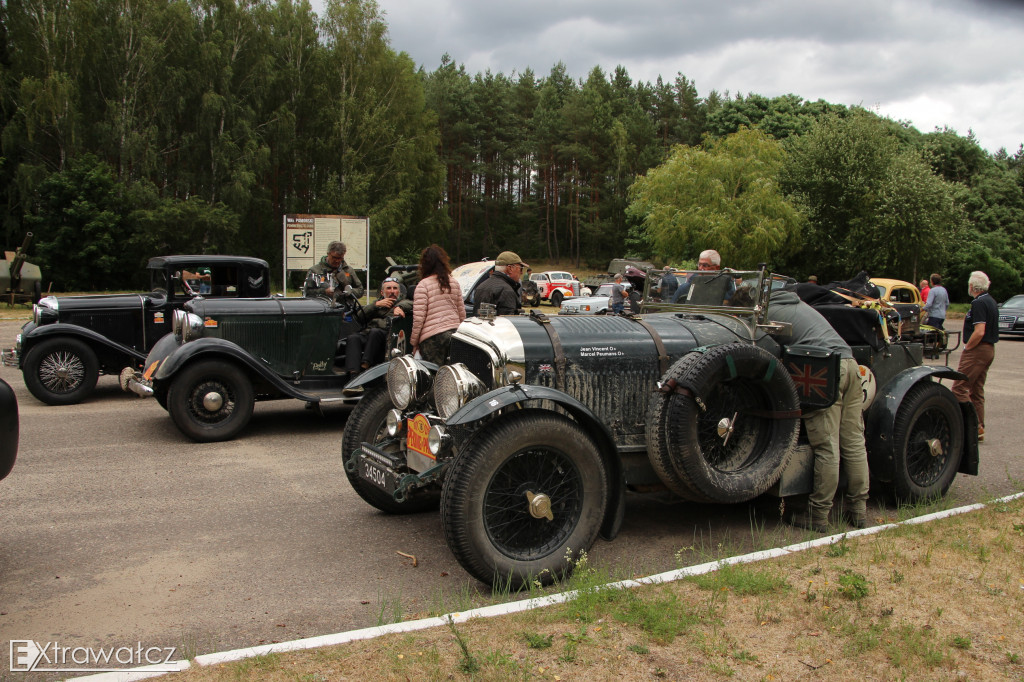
x: 939, y: 601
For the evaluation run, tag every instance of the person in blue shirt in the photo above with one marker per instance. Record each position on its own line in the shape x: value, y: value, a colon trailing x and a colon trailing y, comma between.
x: 936, y: 303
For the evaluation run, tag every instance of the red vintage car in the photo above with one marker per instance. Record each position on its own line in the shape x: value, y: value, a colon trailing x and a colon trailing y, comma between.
x: 554, y: 286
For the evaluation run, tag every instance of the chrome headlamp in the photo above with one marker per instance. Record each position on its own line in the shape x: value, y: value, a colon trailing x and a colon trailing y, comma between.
x: 454, y: 386
x: 178, y: 322
x: 438, y: 439
x: 394, y: 422
x: 45, y: 311
x: 191, y: 327
x: 407, y: 381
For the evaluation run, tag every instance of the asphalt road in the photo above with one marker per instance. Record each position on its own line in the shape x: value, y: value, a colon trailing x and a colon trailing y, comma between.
x: 116, y: 529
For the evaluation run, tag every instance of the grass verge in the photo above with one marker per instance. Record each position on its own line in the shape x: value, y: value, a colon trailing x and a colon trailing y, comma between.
x: 936, y: 601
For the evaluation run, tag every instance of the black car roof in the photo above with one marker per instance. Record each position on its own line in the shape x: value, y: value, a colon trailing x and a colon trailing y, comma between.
x: 178, y: 261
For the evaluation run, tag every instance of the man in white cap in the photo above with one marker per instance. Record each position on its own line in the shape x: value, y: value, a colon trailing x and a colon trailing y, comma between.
x: 502, y: 288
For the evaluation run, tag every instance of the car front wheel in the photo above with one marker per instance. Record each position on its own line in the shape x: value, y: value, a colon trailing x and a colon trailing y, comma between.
x: 557, y: 298
x: 61, y: 371
x: 524, y: 499
x: 210, y: 400
x: 368, y: 423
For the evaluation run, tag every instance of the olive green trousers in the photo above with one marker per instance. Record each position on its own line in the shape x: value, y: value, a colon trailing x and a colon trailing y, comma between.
x: 836, y: 434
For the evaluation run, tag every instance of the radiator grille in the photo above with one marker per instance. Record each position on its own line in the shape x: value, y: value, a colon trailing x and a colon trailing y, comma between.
x: 478, y: 361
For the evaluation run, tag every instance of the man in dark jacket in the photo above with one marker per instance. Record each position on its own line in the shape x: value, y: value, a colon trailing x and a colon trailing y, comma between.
x: 331, y: 275
x: 836, y: 433
x: 366, y: 348
x: 502, y: 288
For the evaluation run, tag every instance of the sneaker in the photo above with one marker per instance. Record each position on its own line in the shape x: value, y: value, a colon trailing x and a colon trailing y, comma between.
x: 802, y: 520
x: 981, y: 433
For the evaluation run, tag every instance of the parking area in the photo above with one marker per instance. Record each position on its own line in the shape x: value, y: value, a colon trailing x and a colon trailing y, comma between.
x: 118, y: 530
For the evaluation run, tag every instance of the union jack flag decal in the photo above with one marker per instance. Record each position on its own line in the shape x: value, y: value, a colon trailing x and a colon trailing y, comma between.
x: 809, y: 383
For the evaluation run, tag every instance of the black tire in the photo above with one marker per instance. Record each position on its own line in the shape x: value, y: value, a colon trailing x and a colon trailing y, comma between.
x: 536, y: 301
x: 928, y: 437
x: 486, y: 513
x: 556, y: 299
x: 202, y: 382
x: 732, y: 444
x: 367, y: 423
x: 61, y: 371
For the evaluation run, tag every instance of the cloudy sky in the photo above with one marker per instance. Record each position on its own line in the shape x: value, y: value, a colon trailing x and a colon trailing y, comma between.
x: 957, y: 63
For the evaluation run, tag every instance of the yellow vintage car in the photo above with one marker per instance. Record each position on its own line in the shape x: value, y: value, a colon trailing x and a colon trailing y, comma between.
x: 897, y: 291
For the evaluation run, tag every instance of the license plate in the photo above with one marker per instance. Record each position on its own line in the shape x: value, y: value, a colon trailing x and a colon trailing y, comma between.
x: 418, y: 435
x: 1006, y: 325
x: 374, y: 472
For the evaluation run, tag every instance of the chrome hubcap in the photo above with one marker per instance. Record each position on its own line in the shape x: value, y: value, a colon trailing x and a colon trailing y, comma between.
x: 540, y: 506
x: 213, y: 401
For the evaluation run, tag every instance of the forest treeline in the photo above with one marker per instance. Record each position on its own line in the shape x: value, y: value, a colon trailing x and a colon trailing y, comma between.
x: 132, y: 128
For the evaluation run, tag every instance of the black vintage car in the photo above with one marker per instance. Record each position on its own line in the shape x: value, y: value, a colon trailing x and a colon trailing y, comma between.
x: 224, y: 355
x: 71, y: 340
x: 530, y: 436
x: 8, y: 429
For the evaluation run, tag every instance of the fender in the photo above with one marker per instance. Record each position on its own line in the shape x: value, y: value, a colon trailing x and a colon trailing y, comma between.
x: 206, y: 347
x: 94, y: 339
x: 371, y: 375
x: 517, y: 394
x: 880, y: 419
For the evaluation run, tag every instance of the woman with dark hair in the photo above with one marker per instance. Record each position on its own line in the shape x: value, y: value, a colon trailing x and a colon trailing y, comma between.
x: 437, y: 306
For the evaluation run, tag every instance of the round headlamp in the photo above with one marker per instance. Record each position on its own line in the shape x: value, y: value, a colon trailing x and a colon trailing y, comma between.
x: 45, y: 311
x: 394, y: 422
x: 191, y: 327
x: 437, y: 439
x: 454, y: 386
x: 407, y: 381
x: 177, y: 322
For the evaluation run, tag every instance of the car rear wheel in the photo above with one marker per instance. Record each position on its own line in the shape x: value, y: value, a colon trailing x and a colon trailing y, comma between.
x: 61, y: 371
x: 367, y: 424
x: 727, y: 426
x: 210, y: 400
x: 928, y: 437
x: 524, y: 499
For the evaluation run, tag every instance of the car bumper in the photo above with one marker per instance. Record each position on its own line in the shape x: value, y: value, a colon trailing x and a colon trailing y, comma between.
x: 10, y: 357
x: 132, y: 380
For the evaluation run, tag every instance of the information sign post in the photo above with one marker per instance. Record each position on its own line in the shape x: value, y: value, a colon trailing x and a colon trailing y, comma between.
x: 306, y: 237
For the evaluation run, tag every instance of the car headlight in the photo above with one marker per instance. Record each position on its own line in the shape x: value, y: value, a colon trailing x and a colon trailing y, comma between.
x: 454, y: 386
x: 394, y: 422
x: 177, y: 322
x: 43, y: 313
x: 407, y: 381
x: 437, y: 439
x: 191, y: 327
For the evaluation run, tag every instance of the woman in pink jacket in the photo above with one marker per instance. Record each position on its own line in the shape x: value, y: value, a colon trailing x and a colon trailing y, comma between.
x: 437, y: 306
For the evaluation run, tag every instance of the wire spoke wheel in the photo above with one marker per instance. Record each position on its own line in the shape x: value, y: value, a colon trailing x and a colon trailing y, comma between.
x: 512, y: 515
x: 62, y: 371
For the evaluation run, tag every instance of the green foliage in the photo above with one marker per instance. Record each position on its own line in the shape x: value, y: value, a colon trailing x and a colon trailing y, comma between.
x: 866, y: 190
x: 853, y: 586
x: 743, y: 580
x: 725, y: 196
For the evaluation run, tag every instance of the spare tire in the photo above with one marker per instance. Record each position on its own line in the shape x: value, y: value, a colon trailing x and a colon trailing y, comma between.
x: 725, y: 424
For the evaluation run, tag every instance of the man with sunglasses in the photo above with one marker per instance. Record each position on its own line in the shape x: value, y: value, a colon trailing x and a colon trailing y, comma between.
x: 365, y: 348
x: 331, y: 275
x: 502, y: 288
x: 709, y: 261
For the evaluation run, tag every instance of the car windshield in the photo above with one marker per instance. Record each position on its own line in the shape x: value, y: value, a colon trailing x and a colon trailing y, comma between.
x: 559, y: 275
x: 1015, y: 302
x: 604, y: 290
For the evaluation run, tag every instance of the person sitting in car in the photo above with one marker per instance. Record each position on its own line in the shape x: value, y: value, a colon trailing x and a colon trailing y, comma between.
x: 330, y: 277
x: 366, y: 348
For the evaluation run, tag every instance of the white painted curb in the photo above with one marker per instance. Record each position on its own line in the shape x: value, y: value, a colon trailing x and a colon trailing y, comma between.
x: 527, y: 604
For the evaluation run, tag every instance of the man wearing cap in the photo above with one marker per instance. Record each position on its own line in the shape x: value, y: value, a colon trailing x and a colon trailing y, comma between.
x: 366, y: 348
x: 502, y: 288
x: 331, y: 275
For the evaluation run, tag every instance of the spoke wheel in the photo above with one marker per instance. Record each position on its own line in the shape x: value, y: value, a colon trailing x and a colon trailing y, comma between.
x: 524, y: 498
x: 928, y: 436
x: 210, y: 401
x: 61, y: 371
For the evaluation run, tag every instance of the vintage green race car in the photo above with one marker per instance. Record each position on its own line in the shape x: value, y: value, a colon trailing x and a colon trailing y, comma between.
x: 530, y: 436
